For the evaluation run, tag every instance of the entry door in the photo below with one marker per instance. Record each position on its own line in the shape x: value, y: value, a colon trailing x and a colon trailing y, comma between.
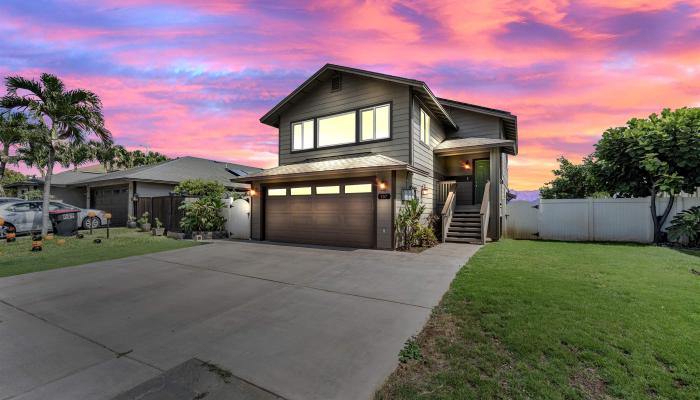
x: 482, y: 172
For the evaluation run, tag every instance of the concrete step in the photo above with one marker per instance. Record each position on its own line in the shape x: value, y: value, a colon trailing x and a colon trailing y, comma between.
x: 463, y: 240
x: 475, y: 224
x: 464, y: 229
x: 466, y: 219
x: 476, y: 235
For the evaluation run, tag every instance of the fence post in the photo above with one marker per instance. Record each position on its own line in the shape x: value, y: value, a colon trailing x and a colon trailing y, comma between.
x: 591, y: 220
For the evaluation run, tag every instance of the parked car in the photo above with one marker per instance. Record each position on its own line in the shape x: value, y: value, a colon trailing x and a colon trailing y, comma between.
x: 9, y: 199
x: 25, y: 216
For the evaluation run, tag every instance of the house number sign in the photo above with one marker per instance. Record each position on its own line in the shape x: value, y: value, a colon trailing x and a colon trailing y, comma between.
x: 384, y: 196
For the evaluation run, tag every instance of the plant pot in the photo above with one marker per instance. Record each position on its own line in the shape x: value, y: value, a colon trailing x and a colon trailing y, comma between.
x: 131, y: 224
x: 158, y: 231
x: 201, y: 235
x: 145, y: 227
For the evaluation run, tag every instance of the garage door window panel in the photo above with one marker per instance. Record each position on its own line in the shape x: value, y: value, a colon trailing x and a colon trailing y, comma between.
x: 301, y: 191
x: 328, y: 189
x: 277, y: 192
x: 358, y: 188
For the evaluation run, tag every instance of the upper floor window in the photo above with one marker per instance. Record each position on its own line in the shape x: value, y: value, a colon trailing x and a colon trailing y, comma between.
x: 424, y: 127
x: 303, y: 135
x: 336, y: 129
x: 374, y: 122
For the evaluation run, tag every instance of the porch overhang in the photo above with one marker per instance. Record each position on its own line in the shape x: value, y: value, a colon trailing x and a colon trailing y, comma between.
x: 329, y: 169
x: 469, y: 145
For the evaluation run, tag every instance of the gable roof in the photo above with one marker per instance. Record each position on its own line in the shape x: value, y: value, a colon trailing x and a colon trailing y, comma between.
x: 177, y: 170
x: 422, y: 90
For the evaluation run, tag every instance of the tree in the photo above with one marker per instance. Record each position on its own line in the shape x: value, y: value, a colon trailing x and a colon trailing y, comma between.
x: 79, y: 154
x: 68, y: 115
x: 573, y: 181
x: 652, y: 156
x: 13, y: 130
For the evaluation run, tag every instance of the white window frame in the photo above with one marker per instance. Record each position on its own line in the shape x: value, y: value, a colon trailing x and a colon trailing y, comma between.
x: 318, y: 130
x: 304, y: 146
x: 424, y: 127
x: 374, y: 122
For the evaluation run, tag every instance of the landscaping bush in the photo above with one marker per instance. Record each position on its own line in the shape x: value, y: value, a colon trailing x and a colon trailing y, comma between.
x: 200, y: 188
x: 202, y: 215
x: 685, y: 227
x: 409, y: 230
x: 33, y: 195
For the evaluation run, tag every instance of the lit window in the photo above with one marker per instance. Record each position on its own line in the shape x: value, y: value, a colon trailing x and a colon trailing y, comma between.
x: 301, y: 191
x: 336, y: 129
x: 375, y: 122
x: 327, y: 189
x: 303, y: 135
x: 276, y: 192
x: 361, y: 188
x: 424, y: 127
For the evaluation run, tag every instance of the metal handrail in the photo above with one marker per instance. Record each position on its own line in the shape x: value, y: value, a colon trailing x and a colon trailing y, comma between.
x: 485, y: 211
x: 447, y: 212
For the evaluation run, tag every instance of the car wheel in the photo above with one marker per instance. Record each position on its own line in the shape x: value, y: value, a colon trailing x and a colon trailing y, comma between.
x: 86, y: 223
x: 96, y: 223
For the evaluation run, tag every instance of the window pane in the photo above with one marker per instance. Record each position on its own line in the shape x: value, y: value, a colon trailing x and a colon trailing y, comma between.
x: 338, y: 129
x: 367, y: 124
x: 361, y: 188
x: 276, y: 192
x: 296, y: 137
x: 301, y: 191
x: 327, y: 189
x: 308, y: 134
x: 382, y: 122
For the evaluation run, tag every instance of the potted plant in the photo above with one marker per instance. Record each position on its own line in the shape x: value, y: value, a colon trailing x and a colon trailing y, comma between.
x: 158, y: 230
x: 131, y: 222
x: 144, y: 222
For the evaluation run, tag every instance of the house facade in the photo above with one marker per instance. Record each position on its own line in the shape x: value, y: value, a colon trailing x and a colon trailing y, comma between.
x: 355, y: 144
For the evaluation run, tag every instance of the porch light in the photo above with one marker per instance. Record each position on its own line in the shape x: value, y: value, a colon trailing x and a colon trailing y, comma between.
x: 466, y: 165
x: 424, y: 190
x: 382, y: 185
x: 252, y: 192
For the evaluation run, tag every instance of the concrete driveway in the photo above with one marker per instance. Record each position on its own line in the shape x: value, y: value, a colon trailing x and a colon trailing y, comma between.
x: 297, y: 322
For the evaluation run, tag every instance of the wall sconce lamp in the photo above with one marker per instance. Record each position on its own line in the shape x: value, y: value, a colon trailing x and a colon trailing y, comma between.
x: 252, y: 192
x: 466, y: 165
x: 382, y: 185
x: 136, y: 196
x: 424, y: 190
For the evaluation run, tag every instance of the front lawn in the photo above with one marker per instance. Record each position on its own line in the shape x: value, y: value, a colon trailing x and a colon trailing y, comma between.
x: 16, y: 258
x: 554, y: 320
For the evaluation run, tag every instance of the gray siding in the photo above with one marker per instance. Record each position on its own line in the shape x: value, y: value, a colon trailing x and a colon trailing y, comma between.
x: 148, y: 189
x: 357, y: 92
x: 473, y: 124
x: 73, y: 196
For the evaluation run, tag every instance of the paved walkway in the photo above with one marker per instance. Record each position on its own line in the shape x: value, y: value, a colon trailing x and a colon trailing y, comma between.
x: 297, y: 322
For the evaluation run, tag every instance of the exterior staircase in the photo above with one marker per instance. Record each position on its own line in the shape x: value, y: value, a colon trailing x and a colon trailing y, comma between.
x: 465, y: 226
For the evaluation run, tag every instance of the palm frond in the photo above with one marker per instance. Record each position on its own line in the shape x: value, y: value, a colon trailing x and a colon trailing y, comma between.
x: 15, y: 83
x: 52, y: 83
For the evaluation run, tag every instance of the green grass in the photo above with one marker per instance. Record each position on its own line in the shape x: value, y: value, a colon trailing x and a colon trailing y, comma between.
x: 554, y: 320
x: 16, y: 258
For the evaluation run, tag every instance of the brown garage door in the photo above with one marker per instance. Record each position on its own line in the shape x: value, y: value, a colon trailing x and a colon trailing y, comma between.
x: 332, y: 214
x: 113, y: 199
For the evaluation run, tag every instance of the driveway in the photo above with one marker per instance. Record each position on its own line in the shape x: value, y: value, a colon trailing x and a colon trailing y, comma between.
x: 297, y: 322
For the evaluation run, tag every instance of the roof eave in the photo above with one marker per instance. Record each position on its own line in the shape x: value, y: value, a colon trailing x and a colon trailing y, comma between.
x: 320, y: 174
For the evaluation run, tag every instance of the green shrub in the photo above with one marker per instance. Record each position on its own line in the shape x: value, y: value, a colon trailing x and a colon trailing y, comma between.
x: 33, y: 195
x: 144, y: 219
x: 200, y: 188
x: 157, y: 223
x: 202, y: 215
x: 408, y: 222
x: 685, y: 227
x: 425, y: 236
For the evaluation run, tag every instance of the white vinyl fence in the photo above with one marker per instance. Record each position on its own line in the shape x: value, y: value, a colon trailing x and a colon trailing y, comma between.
x: 617, y: 220
x: 237, y: 214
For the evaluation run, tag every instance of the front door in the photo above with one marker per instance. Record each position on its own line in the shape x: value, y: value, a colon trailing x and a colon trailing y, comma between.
x: 482, y: 171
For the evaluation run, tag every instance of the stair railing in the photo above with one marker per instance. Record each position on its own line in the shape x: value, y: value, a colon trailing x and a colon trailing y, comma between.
x: 485, y: 211
x: 447, y: 211
x: 443, y: 190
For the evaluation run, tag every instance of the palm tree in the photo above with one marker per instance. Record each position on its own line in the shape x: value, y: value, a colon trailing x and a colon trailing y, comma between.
x: 106, y: 154
x: 81, y: 153
x: 69, y: 115
x: 13, y: 129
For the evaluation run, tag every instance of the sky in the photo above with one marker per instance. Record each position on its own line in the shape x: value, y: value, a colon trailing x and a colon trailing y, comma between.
x: 194, y: 77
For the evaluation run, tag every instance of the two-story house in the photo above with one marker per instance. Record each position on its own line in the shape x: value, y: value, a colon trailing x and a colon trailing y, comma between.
x: 355, y: 144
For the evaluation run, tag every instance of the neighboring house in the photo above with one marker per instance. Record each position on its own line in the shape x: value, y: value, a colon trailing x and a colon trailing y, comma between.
x: 354, y: 143
x: 19, y: 189
x: 118, y: 191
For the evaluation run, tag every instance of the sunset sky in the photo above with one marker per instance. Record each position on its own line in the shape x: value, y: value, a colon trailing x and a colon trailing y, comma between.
x: 194, y: 77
